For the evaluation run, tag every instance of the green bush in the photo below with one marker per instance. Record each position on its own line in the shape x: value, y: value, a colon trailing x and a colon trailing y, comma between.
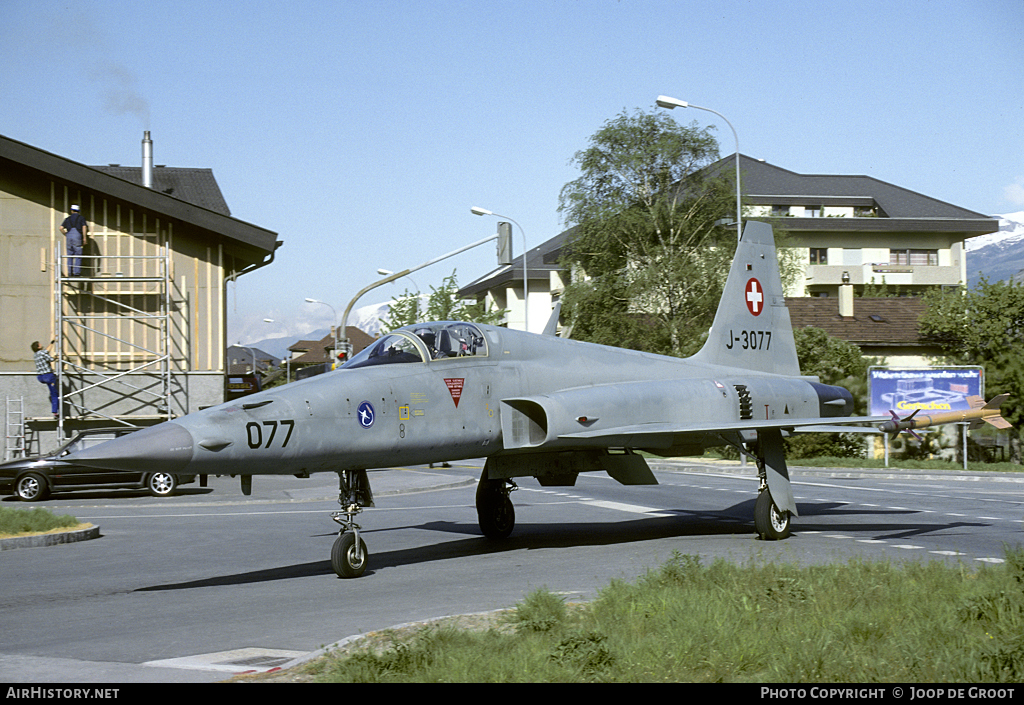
x: 20, y: 521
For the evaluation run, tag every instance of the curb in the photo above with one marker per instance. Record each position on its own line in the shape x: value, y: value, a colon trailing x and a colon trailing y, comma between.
x: 796, y: 471
x: 41, y: 540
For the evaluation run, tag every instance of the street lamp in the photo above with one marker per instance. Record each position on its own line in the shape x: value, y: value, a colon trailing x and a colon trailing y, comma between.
x: 336, y: 332
x: 476, y: 210
x: 288, y: 359
x: 666, y: 102
x: 398, y: 275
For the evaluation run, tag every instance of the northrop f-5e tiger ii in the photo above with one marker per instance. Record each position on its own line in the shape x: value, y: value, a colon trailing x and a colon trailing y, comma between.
x: 531, y: 405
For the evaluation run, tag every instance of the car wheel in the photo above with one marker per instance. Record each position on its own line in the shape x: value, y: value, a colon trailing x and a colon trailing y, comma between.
x: 161, y: 484
x: 32, y: 488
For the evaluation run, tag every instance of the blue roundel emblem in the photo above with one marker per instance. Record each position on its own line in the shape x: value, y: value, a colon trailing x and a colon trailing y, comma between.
x: 366, y: 414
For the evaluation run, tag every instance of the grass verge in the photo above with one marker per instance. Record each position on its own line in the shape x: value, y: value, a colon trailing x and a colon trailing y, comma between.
x: 24, y: 522
x: 894, y: 464
x: 686, y: 621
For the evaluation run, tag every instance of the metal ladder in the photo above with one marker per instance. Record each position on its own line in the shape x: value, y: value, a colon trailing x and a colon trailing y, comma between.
x: 15, y: 436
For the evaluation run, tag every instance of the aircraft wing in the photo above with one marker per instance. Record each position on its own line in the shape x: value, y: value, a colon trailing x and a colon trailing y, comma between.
x: 667, y: 434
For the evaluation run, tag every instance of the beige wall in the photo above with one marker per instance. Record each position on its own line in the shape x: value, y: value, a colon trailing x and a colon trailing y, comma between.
x: 128, y: 240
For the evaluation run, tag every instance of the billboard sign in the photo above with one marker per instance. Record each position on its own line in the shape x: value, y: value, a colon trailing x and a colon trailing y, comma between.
x: 927, y: 389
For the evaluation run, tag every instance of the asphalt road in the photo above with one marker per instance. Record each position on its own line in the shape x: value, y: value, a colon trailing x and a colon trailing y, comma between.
x: 200, y: 586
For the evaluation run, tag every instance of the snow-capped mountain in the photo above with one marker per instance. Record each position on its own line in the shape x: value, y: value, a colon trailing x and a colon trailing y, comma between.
x: 999, y: 255
x: 368, y: 318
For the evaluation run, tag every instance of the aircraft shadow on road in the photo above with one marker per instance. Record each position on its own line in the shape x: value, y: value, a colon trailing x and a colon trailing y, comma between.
x: 881, y: 531
x: 733, y: 521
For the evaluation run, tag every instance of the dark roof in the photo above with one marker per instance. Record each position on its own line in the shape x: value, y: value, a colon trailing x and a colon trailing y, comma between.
x: 318, y: 351
x: 258, y: 241
x: 187, y: 184
x: 245, y: 354
x: 539, y: 262
x: 766, y: 184
x: 890, y: 322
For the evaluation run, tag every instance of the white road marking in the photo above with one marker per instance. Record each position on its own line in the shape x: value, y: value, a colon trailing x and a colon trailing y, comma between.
x: 631, y: 508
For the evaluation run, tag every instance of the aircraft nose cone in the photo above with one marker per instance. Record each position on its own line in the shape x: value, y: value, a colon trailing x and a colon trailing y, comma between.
x: 166, y: 447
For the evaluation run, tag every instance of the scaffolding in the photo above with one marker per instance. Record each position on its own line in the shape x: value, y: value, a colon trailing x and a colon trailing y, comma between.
x: 113, y: 338
x: 14, y: 446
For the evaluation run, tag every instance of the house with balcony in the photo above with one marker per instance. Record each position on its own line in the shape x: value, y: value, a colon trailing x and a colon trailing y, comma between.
x: 860, y: 231
x: 852, y: 236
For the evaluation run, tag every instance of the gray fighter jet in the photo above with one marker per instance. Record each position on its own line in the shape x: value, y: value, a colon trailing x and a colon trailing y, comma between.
x: 532, y: 405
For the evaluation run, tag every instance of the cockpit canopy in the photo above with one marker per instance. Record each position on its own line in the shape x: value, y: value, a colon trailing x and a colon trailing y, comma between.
x: 422, y: 342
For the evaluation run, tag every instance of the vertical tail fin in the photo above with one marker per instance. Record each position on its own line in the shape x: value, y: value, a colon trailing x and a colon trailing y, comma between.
x: 752, y: 329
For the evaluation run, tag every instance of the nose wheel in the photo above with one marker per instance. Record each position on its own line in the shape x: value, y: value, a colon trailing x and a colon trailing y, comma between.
x: 349, y: 556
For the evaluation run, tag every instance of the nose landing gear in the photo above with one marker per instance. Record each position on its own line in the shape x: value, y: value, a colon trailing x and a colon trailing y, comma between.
x: 349, y: 556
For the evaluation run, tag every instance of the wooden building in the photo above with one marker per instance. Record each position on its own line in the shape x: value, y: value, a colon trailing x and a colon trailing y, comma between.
x: 140, y: 335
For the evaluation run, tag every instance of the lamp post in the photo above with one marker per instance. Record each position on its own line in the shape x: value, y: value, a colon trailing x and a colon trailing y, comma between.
x: 476, y: 210
x: 287, y: 360
x: 398, y: 275
x: 336, y: 332
x: 239, y: 345
x: 666, y: 102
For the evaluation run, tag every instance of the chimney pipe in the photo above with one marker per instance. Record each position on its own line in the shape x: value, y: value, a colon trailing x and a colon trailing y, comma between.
x: 846, y: 300
x: 147, y: 160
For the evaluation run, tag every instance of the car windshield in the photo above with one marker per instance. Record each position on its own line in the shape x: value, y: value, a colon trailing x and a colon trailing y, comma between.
x: 88, y: 440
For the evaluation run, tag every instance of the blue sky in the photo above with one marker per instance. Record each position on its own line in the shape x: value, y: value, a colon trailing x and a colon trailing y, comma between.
x: 362, y: 132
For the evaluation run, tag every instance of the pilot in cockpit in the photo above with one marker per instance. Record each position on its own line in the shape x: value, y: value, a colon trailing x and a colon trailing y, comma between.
x: 429, y: 339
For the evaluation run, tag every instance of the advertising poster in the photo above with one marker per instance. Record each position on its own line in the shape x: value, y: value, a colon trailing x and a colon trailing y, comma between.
x: 927, y: 389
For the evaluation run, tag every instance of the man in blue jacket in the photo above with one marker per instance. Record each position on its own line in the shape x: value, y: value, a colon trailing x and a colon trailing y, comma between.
x: 77, y: 231
x: 44, y: 373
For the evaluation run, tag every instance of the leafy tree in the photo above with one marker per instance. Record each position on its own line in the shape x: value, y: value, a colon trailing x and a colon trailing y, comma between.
x: 443, y: 304
x: 647, y: 259
x: 837, y: 362
x: 984, y: 326
x: 834, y: 361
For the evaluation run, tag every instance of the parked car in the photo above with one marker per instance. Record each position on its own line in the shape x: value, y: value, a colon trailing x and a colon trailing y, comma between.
x: 33, y: 479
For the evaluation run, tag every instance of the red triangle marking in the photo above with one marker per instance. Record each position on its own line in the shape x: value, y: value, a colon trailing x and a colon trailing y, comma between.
x: 455, y: 389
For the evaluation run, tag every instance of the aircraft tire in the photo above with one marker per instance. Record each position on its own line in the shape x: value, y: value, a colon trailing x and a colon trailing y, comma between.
x: 498, y: 519
x: 346, y: 561
x: 494, y: 510
x: 771, y: 523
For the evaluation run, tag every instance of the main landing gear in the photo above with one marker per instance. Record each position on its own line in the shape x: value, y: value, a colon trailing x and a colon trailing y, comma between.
x: 770, y: 522
x: 349, y: 555
x: 494, y: 510
x: 775, y: 504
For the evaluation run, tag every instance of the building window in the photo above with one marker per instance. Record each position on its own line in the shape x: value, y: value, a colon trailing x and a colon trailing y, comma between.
x: 780, y: 211
x: 812, y: 211
x: 819, y: 255
x: 914, y: 258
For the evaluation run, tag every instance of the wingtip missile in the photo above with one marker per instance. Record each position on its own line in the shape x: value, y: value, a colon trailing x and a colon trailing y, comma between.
x: 980, y: 413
